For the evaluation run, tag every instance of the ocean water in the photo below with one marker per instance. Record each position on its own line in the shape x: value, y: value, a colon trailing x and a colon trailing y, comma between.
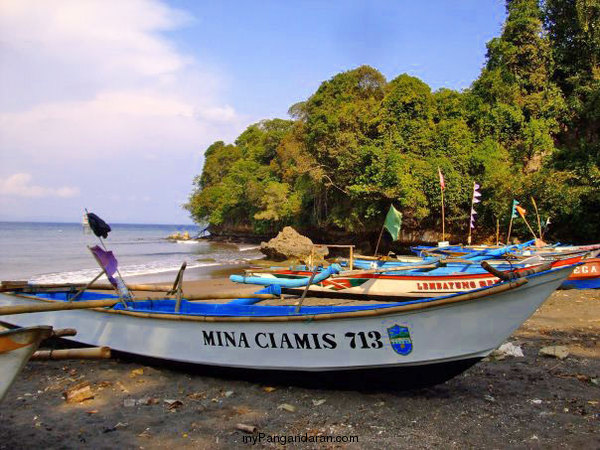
x: 57, y: 252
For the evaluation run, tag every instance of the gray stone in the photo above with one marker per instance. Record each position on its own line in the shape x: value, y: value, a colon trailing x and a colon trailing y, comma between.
x: 289, y: 244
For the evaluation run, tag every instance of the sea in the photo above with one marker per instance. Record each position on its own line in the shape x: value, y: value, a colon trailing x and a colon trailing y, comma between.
x: 58, y: 253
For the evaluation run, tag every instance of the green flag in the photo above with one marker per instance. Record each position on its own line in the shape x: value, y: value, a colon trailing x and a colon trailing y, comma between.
x: 514, y: 209
x: 393, y: 222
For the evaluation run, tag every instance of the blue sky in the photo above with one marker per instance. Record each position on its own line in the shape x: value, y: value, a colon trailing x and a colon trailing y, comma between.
x: 110, y: 105
x: 280, y: 51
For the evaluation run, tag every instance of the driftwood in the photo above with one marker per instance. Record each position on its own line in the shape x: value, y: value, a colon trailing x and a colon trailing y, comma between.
x: 73, y: 353
x: 246, y: 428
x: 78, y: 393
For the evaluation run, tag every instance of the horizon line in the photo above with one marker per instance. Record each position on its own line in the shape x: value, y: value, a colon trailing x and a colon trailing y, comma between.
x: 79, y: 223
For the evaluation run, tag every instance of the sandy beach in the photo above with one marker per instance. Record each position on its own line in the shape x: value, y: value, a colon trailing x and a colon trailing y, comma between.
x: 517, y: 402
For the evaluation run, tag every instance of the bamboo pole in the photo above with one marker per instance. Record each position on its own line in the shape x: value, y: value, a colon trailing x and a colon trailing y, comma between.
x: 134, y: 287
x: 497, y: 231
x: 56, y: 306
x: 529, y: 226
x: 10, y: 286
x: 64, y: 332
x: 72, y: 353
x: 379, y: 240
x: 443, y: 216
x: 82, y: 290
x: 118, y: 271
x: 537, y: 214
x: 509, y: 229
x: 303, y: 296
x: 382, y: 270
x: 121, y: 299
x: 471, y: 215
x: 177, y: 287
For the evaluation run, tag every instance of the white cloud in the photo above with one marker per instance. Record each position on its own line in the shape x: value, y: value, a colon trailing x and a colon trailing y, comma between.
x: 83, y: 79
x: 19, y: 185
x: 89, y: 86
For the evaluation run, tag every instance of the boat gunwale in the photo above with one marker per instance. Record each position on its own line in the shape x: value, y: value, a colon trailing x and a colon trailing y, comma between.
x: 477, y: 294
x: 444, y: 277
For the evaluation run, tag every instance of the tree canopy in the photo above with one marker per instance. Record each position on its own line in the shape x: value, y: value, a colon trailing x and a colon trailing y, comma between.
x: 527, y: 127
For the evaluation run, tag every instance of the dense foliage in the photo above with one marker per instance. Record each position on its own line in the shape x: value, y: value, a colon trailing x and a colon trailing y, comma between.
x: 529, y: 126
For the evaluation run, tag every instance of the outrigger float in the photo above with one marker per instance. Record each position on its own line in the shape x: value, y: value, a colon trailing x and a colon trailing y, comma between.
x: 392, y: 284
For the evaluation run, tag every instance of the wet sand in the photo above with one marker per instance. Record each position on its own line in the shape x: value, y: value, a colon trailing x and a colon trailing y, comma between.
x: 529, y: 402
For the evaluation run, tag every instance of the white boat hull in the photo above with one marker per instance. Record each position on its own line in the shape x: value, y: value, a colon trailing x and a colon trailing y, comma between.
x: 396, y: 286
x: 465, y: 330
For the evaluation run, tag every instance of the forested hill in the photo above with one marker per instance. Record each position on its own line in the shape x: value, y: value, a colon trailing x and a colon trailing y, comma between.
x: 527, y: 127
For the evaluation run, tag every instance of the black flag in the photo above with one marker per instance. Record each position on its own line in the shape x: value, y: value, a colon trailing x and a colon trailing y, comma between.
x: 98, y: 226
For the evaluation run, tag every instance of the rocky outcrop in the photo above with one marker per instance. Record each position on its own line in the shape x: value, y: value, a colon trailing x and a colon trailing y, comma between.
x: 289, y: 244
x: 179, y: 236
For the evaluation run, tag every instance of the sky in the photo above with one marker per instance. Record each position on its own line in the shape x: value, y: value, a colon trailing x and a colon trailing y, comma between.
x: 110, y: 104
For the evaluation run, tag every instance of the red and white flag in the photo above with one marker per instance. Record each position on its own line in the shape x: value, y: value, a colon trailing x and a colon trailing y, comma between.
x: 442, y: 183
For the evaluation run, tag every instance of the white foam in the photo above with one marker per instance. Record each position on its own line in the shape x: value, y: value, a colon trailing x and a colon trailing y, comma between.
x: 85, y: 275
x: 246, y: 248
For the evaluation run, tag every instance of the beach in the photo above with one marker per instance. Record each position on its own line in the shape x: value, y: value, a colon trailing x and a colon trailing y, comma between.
x: 517, y: 402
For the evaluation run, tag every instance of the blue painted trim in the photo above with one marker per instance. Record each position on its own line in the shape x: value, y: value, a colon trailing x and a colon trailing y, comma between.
x: 242, y: 309
x: 594, y: 283
x: 287, y: 282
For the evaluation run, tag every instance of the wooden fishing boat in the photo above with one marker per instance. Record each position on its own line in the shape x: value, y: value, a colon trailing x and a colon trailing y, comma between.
x: 16, y: 347
x: 396, y: 344
x: 585, y: 276
x: 388, y: 284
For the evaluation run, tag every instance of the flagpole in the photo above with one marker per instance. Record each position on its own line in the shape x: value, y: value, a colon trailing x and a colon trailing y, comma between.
x: 537, y: 214
x: 529, y: 226
x: 379, y: 240
x: 118, y: 272
x: 545, y: 227
x: 443, y: 220
x: 512, y: 216
x: 471, y: 216
x: 497, y: 232
x: 509, y: 229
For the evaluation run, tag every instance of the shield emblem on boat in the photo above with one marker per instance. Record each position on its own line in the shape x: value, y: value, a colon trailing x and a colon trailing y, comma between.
x: 400, y: 339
